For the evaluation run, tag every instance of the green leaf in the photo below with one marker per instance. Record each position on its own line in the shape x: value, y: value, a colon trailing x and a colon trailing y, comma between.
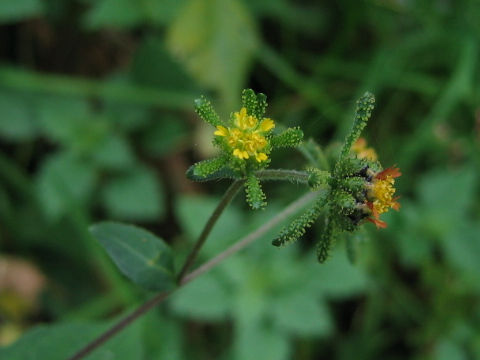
x: 70, y: 122
x: 60, y: 117
x: 289, y: 138
x: 301, y: 313
x: 130, y: 13
x: 256, y: 341
x: 204, y: 109
x: 117, y: 13
x: 254, y: 103
x: 154, y: 66
x: 160, y: 12
x: 16, y: 120
x: 204, y: 299
x: 141, y: 256
x: 339, y: 278
x: 11, y: 11
x: 224, y: 173
x: 215, y: 39
x: 114, y: 153
x: 169, y: 330
x: 60, y: 341
x: 165, y: 136
x: 462, y: 248
x: 254, y: 192
x: 447, y: 349
x: 363, y: 111
x: 64, y: 182
x: 136, y: 195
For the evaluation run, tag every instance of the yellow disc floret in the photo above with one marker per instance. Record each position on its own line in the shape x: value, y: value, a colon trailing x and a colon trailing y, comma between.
x: 247, y: 137
x: 383, y: 191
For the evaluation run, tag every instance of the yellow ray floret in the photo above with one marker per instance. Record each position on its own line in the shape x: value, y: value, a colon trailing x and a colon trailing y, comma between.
x: 267, y: 124
x: 221, y: 131
x: 247, y: 138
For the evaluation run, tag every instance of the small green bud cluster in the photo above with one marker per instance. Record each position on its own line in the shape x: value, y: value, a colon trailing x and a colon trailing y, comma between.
x: 245, y: 142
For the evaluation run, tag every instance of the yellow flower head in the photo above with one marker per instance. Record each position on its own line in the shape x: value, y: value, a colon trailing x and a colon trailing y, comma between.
x: 362, y: 151
x: 247, y: 136
x: 382, y: 192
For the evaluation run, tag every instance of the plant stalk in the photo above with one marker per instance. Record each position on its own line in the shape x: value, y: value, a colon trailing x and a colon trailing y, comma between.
x: 157, y: 299
x: 226, y: 199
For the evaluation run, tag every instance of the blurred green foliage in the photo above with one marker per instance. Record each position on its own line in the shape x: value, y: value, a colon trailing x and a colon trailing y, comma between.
x: 97, y: 122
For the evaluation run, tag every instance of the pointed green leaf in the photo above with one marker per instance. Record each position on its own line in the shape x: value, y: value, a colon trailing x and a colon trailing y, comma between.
x: 223, y: 173
x: 205, y: 110
x: 363, y: 112
x: 141, y: 256
x: 289, y: 138
x: 254, y: 192
x: 59, y: 342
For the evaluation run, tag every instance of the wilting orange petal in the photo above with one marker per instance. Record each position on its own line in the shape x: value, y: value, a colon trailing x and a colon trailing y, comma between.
x: 378, y: 223
x: 392, y: 171
x: 396, y: 204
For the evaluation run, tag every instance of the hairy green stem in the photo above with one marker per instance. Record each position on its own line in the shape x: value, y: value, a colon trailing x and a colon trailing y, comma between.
x: 275, y: 174
x: 157, y: 299
x: 226, y: 199
x: 294, y: 176
x: 247, y: 240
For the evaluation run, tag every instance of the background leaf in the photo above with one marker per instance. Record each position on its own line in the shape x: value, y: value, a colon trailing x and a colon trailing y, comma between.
x: 60, y: 341
x: 139, y: 255
x: 215, y: 39
x: 136, y: 195
x: 18, y: 10
x: 65, y: 181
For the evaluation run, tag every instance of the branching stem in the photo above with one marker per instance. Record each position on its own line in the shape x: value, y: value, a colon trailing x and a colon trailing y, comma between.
x: 226, y: 199
x: 157, y: 299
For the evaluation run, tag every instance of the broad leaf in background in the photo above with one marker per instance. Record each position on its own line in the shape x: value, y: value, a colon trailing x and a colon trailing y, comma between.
x: 114, y: 153
x: 162, y: 337
x: 71, y: 122
x: 136, y: 195
x: 206, y: 299
x: 130, y: 13
x: 338, y: 278
x: 154, y: 66
x: 60, y: 341
x: 447, y: 349
x: 64, y: 182
x: 59, y: 117
x: 258, y: 341
x: 167, y: 133
x: 215, y: 39
x: 16, y: 120
x: 116, y: 13
x: 11, y: 11
x: 302, y: 314
x: 140, y: 255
